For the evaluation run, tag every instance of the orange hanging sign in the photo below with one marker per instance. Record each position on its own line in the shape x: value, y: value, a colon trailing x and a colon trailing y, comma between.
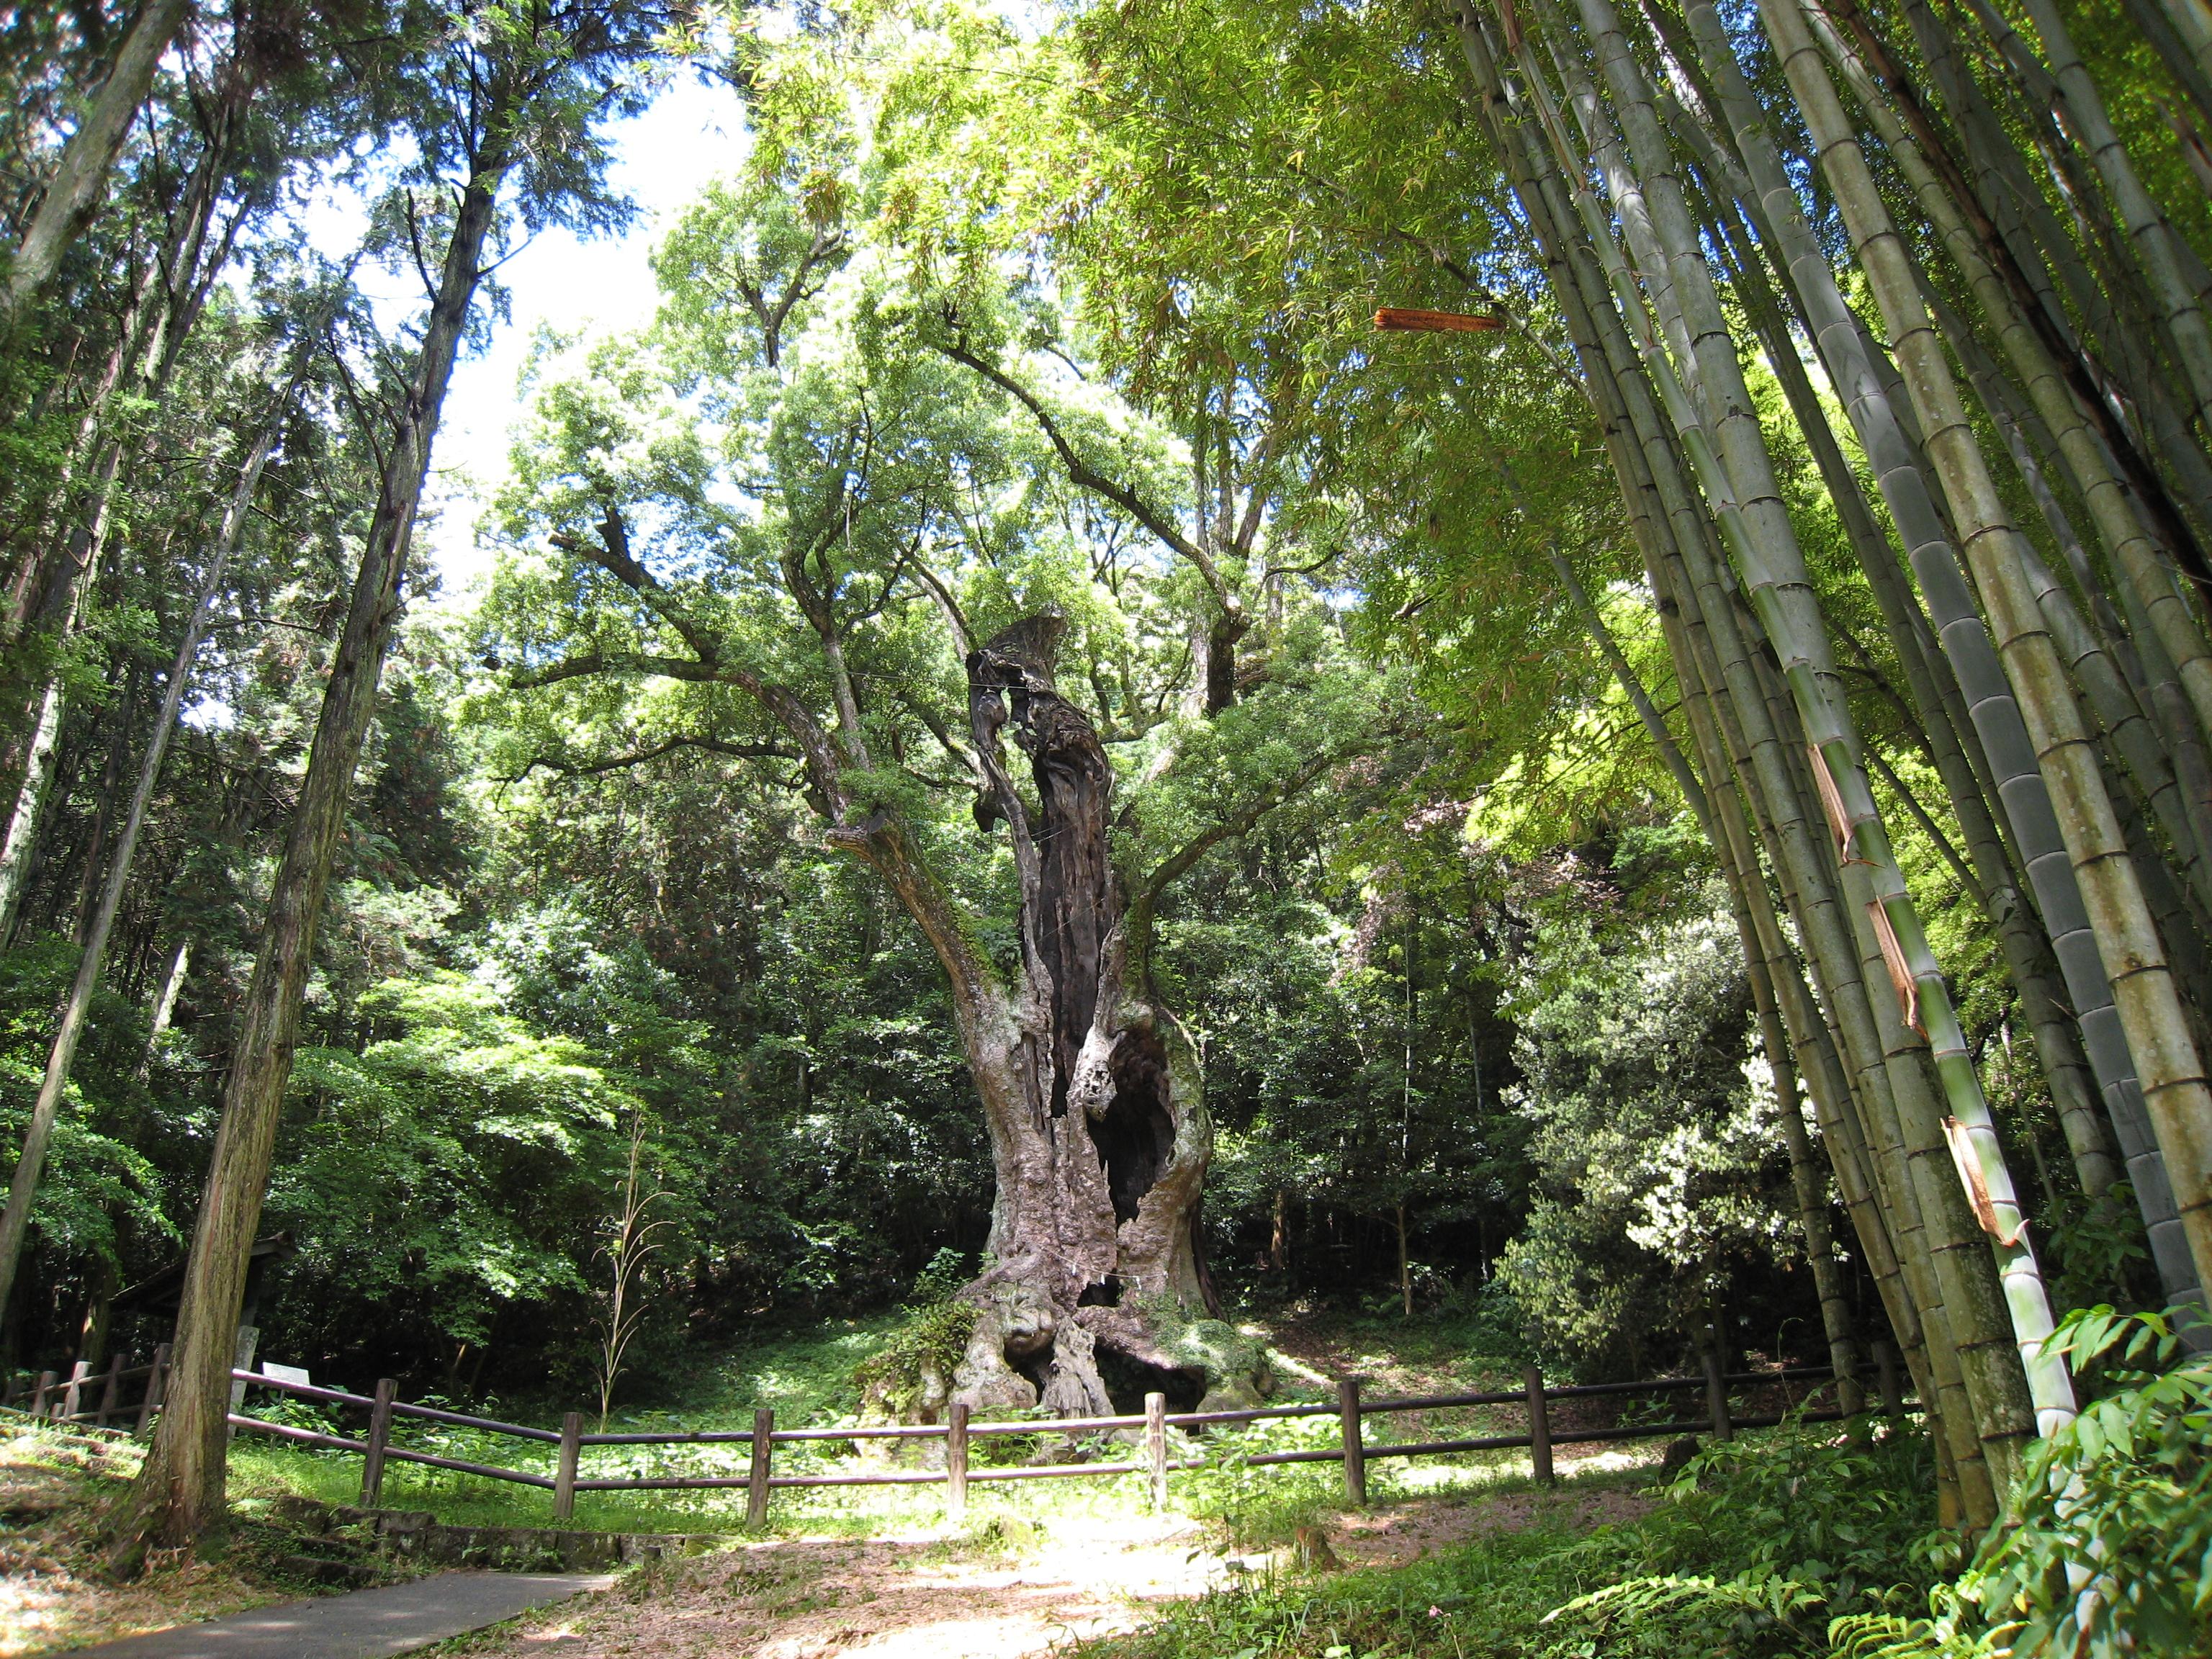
x: 1403, y: 319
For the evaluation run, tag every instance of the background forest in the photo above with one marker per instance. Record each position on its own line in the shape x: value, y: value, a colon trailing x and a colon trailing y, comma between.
x: 1471, y: 1024
x: 1665, y: 810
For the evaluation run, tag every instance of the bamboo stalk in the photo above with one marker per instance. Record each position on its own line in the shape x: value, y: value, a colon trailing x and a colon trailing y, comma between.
x: 1642, y: 447
x: 2191, y: 23
x: 2145, y: 227
x: 2173, y: 1082
x: 1837, y: 967
x: 2095, y: 648
x: 1812, y: 1199
x: 1738, y: 480
x: 2016, y: 229
x: 2110, y: 506
x: 1989, y: 879
x: 1996, y: 711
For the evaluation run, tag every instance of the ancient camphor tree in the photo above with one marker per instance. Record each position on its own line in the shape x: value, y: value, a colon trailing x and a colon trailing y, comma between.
x: 869, y: 492
x: 1091, y: 1087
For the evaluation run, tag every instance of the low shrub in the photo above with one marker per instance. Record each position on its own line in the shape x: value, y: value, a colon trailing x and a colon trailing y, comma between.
x: 2106, y: 1549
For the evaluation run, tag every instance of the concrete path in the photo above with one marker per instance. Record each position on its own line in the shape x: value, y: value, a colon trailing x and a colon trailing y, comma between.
x: 366, y: 1624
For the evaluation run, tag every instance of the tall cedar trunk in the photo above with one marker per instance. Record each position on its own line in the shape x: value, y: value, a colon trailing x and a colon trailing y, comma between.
x: 79, y: 184
x: 21, y: 838
x: 56, y: 580
x: 179, y: 1494
x: 164, y: 1005
x: 61, y: 1056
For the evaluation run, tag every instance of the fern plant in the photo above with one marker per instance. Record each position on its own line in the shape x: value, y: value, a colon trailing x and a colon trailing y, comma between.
x: 2107, y: 1549
x: 1772, y: 1540
x: 1893, y: 1636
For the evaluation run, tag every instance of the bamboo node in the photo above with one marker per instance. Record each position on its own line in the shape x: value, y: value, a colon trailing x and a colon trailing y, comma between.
x: 1977, y: 1189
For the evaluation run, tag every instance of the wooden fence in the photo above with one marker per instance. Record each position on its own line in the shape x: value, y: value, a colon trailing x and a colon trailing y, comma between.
x: 67, y: 1401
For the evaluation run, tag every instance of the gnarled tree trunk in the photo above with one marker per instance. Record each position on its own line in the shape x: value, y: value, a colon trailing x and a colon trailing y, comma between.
x: 1092, y: 1090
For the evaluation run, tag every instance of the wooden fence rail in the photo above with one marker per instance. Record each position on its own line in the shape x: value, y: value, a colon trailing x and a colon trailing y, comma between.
x: 60, y: 1400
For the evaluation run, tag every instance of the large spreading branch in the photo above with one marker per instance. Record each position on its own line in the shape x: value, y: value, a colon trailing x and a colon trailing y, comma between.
x: 639, y: 757
x: 613, y: 555
x: 1084, y: 476
x: 823, y: 772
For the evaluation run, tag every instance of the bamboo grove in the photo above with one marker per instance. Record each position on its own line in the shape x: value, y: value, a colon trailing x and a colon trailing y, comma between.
x: 2013, y: 390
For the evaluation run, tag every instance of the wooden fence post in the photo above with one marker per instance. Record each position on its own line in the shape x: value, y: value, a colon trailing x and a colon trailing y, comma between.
x: 956, y: 1462
x: 1540, y: 1426
x: 241, y: 1359
x: 1893, y: 1388
x: 1156, y: 1448
x: 39, y: 1390
x: 113, y: 1387
x: 157, y: 1385
x: 1355, y: 1448
x: 1717, y: 1396
x: 756, y: 1477
x: 380, y: 1437
x: 564, y: 1472
x: 72, y: 1395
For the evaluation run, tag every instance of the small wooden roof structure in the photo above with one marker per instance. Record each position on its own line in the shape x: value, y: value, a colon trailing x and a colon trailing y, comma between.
x: 158, y: 1295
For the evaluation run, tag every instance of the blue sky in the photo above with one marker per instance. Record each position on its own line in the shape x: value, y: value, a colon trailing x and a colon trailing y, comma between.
x: 690, y: 135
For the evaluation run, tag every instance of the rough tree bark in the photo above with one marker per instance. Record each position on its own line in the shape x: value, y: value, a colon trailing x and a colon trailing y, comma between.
x: 1090, y: 1088
x: 79, y: 182
x: 179, y: 1495
x: 15, y: 1218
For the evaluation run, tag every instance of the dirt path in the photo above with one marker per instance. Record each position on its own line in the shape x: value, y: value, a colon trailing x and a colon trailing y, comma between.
x: 54, y: 1590
x: 937, y: 1599
x: 884, y: 1598
x: 370, y: 1623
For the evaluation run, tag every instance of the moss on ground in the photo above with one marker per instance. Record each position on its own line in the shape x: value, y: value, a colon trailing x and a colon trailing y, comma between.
x: 57, y: 1491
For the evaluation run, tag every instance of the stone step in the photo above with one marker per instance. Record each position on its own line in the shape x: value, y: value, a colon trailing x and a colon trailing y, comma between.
x: 419, y: 1535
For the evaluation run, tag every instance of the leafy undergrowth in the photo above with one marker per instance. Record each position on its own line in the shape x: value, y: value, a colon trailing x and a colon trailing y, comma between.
x: 2105, y: 1550
x: 55, y: 1593
x: 1756, y: 1549
x: 1810, y: 1543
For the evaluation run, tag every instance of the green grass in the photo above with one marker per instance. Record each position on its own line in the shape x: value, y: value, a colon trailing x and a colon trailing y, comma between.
x: 1777, y: 1533
x: 1254, y: 1507
x: 1746, y: 1558
x: 805, y: 1375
